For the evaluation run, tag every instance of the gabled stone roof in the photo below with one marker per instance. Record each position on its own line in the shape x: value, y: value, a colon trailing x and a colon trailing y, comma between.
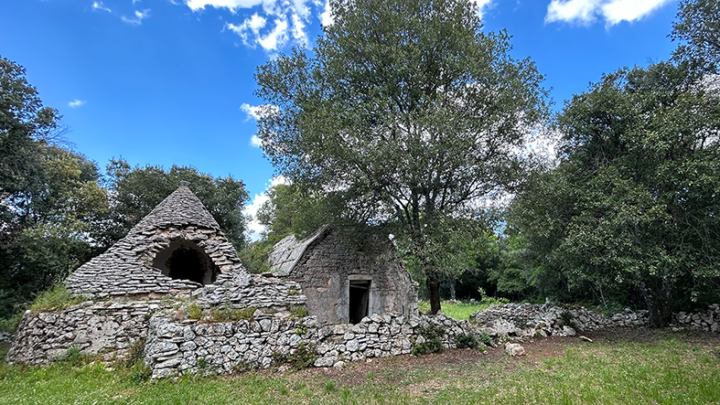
x: 288, y: 252
x: 126, y: 267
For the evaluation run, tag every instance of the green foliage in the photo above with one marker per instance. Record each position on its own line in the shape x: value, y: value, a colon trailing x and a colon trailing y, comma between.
x: 467, y: 340
x: 202, y: 363
x: 301, y: 330
x: 254, y: 256
x: 486, y: 339
x: 433, y: 340
x: 698, y: 27
x: 303, y: 357
x: 242, y: 367
x: 56, y: 299
x: 229, y: 314
x: 11, y: 324
x: 568, y: 319
x: 298, y: 311
x: 631, y: 209
x: 194, y: 311
x: 293, y: 210
x: 139, y: 189
x: 392, y: 129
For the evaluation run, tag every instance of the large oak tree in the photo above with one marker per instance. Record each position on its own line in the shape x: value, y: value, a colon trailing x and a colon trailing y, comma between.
x: 408, y: 113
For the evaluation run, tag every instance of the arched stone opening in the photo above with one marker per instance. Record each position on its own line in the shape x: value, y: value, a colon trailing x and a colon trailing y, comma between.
x: 185, y: 260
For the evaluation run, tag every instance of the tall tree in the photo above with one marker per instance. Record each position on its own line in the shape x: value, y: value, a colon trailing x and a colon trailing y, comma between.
x: 698, y: 26
x: 636, y: 199
x: 407, y: 112
x: 136, y: 191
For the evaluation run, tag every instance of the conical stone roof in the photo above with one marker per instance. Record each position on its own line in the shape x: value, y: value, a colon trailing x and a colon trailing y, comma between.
x: 126, y: 268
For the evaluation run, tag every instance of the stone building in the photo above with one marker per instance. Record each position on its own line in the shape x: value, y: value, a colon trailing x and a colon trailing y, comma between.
x: 175, y: 249
x: 342, y: 284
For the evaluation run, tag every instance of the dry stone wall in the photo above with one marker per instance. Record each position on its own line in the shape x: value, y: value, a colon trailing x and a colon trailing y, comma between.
x: 110, y: 327
x: 93, y: 327
x: 178, y: 347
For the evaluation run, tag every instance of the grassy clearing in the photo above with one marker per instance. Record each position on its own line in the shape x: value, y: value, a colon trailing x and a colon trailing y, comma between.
x: 666, y: 370
x: 459, y: 310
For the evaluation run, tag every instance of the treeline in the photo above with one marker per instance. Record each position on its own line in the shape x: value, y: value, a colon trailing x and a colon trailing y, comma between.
x: 57, y: 210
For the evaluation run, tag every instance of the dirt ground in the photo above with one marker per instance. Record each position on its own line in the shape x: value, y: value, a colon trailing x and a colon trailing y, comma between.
x: 390, y: 370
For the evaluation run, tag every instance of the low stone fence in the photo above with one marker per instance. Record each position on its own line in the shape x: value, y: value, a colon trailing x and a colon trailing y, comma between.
x: 708, y: 321
x: 546, y: 320
x: 176, y: 347
x: 106, y: 327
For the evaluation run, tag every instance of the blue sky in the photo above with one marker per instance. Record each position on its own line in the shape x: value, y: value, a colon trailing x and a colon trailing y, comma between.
x: 168, y: 82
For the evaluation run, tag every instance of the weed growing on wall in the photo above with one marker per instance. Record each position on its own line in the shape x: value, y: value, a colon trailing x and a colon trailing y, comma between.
x: 433, y: 340
x: 467, y: 340
x: 55, y: 299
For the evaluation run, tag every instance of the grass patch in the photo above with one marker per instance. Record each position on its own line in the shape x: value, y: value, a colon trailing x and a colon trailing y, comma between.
x: 460, y: 310
x: 232, y: 314
x: 663, y: 370
x: 55, y: 299
x: 11, y: 324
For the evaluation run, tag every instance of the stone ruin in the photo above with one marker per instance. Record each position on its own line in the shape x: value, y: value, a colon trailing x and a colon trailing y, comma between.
x: 175, y: 286
x: 343, y: 284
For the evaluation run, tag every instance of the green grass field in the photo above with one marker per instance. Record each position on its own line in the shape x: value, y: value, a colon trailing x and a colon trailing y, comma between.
x: 662, y: 369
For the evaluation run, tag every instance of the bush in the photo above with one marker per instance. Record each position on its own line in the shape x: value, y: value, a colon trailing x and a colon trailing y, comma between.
x: 55, y: 299
x: 433, y: 340
x: 11, y: 324
x: 486, y: 339
x: 304, y: 357
x: 469, y: 340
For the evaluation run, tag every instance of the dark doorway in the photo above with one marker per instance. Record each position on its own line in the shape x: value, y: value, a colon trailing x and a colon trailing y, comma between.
x: 186, y: 261
x: 359, y: 300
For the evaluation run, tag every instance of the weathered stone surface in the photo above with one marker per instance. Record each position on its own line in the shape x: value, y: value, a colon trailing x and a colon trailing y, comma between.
x: 126, y: 268
x: 92, y: 327
x: 514, y: 349
x: 324, y: 266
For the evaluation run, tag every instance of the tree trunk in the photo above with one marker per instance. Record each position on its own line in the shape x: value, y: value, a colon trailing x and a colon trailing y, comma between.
x: 659, y: 304
x: 453, y: 293
x: 432, y: 281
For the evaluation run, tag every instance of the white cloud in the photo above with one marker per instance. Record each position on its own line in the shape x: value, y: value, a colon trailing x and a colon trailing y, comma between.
x: 231, y: 5
x: 612, y: 11
x: 326, y: 17
x: 616, y: 11
x: 139, y: 17
x: 76, y: 103
x: 299, y: 30
x: 257, y: 111
x: 99, y: 6
x: 277, y: 38
x: 483, y: 6
x: 256, y: 141
x: 255, y: 228
x: 253, y: 24
x: 572, y: 10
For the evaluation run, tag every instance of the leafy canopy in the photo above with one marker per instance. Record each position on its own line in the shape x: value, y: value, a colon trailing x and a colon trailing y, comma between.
x: 406, y: 112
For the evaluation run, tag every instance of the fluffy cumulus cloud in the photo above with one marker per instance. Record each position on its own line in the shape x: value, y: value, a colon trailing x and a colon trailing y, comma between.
x: 139, y: 17
x: 255, y: 228
x: 611, y: 11
x: 273, y: 25
x: 483, y: 6
x: 76, y: 103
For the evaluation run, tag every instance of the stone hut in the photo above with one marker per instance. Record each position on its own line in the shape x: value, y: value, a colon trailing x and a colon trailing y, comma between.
x: 344, y: 285
x: 175, y: 249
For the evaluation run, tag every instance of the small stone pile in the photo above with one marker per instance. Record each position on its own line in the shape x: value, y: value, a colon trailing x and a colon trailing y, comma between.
x: 709, y: 321
x: 527, y: 320
x: 176, y: 347
x: 92, y: 327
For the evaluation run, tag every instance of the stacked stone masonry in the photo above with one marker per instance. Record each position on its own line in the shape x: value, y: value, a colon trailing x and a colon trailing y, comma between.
x: 126, y: 268
x: 176, y: 347
x: 93, y: 327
